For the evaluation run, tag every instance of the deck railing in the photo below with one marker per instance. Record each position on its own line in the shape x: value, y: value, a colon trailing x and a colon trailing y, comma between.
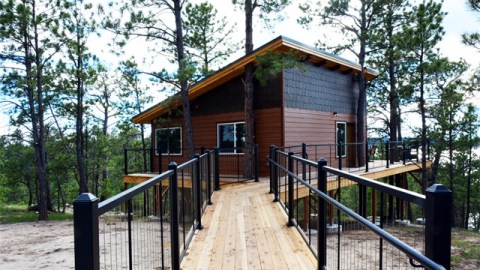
x: 231, y: 161
x: 148, y: 226
x: 347, y: 234
x: 378, y: 152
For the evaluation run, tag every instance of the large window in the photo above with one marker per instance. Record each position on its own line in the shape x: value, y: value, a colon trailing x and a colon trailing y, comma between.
x: 231, y: 137
x: 341, y: 139
x: 169, y: 140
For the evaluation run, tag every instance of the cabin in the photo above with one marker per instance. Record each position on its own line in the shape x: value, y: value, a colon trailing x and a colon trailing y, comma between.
x: 314, y: 102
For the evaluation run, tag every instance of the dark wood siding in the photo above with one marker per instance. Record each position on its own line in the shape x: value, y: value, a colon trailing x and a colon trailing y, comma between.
x: 314, y: 127
x: 268, y: 123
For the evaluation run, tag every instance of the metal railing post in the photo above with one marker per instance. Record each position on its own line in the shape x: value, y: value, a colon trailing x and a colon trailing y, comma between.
x: 404, y: 152
x: 387, y: 153
x: 125, y: 161
x: 198, y: 193
x: 202, y: 150
x: 256, y: 163
x: 209, y: 178
x: 438, y: 210
x: 85, y: 226
x: 160, y: 165
x: 271, y: 166
x: 304, y: 165
x: 367, y: 156
x: 322, y: 216
x: 216, y: 162
x: 291, y: 219
x: 275, y: 176
x: 152, y: 154
x: 174, y: 234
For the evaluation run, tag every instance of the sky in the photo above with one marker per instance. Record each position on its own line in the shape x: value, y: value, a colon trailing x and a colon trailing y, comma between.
x: 458, y: 20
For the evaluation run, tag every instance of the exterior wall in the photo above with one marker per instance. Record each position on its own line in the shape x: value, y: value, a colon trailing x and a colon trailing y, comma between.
x: 319, y: 89
x: 268, y: 126
x: 316, y: 128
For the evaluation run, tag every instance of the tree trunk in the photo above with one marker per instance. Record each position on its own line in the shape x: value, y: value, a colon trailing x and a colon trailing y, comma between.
x: 248, y: 106
x: 183, y: 81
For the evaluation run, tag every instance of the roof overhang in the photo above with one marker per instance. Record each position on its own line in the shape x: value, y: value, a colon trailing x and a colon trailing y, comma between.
x: 235, y: 69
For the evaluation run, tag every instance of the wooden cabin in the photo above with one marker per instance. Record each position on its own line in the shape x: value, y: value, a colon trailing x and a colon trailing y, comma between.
x: 313, y: 103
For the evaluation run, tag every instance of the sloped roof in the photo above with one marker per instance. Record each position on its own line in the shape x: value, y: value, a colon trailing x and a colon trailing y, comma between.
x: 236, y: 68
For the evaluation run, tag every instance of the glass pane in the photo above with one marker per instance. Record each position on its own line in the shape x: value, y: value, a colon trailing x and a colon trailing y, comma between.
x: 170, y: 140
x: 226, y: 138
x: 240, y: 137
x: 341, y: 138
x: 162, y: 141
x: 175, y: 141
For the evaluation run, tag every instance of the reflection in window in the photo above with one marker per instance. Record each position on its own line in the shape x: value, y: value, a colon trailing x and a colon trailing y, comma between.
x: 169, y: 140
x: 341, y: 139
x: 231, y: 137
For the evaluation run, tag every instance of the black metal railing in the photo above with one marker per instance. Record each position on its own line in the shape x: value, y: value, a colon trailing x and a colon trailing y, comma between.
x: 348, y: 232
x: 378, y: 153
x: 148, y: 226
x: 231, y: 161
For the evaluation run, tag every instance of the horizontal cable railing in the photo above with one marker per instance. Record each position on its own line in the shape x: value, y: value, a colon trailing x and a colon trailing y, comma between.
x: 148, y: 226
x: 359, y: 223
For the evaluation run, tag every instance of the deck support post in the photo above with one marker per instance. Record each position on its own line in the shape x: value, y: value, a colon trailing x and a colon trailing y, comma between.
x: 291, y: 218
x: 160, y: 165
x: 197, y: 191
x: 152, y: 154
x: 322, y: 216
x: 175, y: 243
x: 216, y: 162
x: 438, y: 211
x: 85, y: 226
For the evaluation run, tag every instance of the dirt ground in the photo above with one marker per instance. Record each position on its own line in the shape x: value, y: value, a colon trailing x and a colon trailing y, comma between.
x: 49, y: 245
x: 37, y: 245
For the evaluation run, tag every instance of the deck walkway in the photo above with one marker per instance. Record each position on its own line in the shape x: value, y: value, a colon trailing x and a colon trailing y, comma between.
x: 244, y: 229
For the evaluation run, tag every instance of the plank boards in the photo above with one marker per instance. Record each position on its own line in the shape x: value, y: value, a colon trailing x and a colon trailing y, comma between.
x: 244, y: 229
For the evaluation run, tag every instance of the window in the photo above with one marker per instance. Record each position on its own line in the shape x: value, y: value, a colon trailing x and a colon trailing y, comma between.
x: 231, y: 137
x: 341, y: 139
x: 169, y: 140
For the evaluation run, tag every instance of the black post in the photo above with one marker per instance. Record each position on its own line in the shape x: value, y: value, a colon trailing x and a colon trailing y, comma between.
x: 216, y: 181
x: 275, y: 176
x: 291, y: 219
x: 125, y: 161
x: 271, y: 166
x: 130, y: 242
x: 85, y: 226
x: 174, y: 234
x: 404, y: 153
x: 202, y: 150
x: 322, y: 216
x: 428, y: 148
x: 152, y: 154
x: 387, y: 153
x: 256, y: 163
x: 367, y: 156
x: 209, y: 178
x: 304, y: 165
x: 160, y: 169
x: 198, y: 193
x: 438, y: 212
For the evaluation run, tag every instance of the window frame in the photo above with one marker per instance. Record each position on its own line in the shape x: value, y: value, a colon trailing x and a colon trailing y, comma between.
x: 168, y: 150
x: 234, y: 141
x: 337, y: 146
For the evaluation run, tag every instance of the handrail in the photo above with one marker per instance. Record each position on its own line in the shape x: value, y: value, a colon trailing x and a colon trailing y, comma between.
x: 409, y: 251
x: 391, y: 190
x: 126, y: 195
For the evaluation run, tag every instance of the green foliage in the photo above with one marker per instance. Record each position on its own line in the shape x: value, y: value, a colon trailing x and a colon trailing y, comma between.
x: 208, y: 39
x: 14, y: 213
x: 271, y: 64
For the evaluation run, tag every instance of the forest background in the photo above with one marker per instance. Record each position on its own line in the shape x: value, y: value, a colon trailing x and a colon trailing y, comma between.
x: 73, y: 73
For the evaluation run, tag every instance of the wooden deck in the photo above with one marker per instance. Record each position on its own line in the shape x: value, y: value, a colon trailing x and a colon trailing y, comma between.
x: 244, y: 229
